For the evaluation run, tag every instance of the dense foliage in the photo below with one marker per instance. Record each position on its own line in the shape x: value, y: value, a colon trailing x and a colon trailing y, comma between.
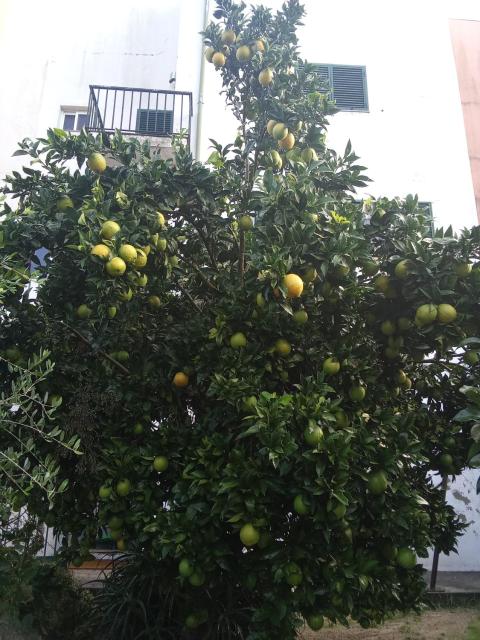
x: 262, y: 368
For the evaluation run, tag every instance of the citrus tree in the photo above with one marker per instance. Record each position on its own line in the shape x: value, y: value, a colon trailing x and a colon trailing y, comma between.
x: 262, y: 368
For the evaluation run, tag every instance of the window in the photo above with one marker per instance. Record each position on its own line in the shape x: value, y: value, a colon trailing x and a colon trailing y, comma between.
x: 348, y: 85
x: 158, y: 123
x: 74, y: 120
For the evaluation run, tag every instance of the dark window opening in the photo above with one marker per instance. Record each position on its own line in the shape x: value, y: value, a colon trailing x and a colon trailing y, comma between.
x: 69, y: 122
x: 155, y: 122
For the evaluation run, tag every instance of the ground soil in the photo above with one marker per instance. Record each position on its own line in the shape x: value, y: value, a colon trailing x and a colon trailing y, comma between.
x: 432, y: 625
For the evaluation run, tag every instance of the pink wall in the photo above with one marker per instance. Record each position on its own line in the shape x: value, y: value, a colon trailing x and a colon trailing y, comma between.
x: 466, y: 47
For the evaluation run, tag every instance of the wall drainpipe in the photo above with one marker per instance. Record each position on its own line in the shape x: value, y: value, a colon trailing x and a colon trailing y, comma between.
x: 198, y: 134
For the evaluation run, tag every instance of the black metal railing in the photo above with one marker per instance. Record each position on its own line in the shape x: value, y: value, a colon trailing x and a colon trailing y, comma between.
x: 141, y: 112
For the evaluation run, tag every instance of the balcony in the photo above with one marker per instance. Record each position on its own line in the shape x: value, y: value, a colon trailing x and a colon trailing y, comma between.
x: 151, y: 113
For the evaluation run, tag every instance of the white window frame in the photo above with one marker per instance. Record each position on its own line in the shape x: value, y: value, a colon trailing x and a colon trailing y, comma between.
x: 68, y: 110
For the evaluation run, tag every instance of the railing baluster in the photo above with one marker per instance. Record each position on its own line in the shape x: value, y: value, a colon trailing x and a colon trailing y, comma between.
x: 130, y: 119
x: 173, y: 114
x: 105, y: 109
x: 123, y: 103
x: 181, y: 115
x: 148, y: 114
x: 164, y: 129
x: 157, y: 118
x: 113, y: 110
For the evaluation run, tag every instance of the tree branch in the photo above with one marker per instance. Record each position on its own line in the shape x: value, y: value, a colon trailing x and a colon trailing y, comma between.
x: 100, y: 351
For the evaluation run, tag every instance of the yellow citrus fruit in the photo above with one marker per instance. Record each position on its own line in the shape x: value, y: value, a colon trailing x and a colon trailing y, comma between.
x: 243, y: 53
x: 382, y: 283
x: 309, y: 155
x: 160, y: 219
x: 141, y: 259
x: 111, y: 312
x: 259, y: 45
x: 128, y: 253
x: 276, y: 159
x: 463, y: 269
x: 209, y: 51
x: 280, y: 131
x: 446, y: 313
x: 402, y: 269
x: 218, y: 59
x: 96, y: 162
x: 64, y: 203
x: 270, y: 125
x: 146, y: 249
x: 283, y: 347
x: 238, y: 340
x: 265, y: 77
x: 116, y: 267
x: 228, y: 36
x: 154, y: 301
x: 426, y: 314
x: 160, y: 463
x: 109, y: 229
x: 293, y: 284
x: 180, y: 380
x: 287, y: 143
x: 101, y: 251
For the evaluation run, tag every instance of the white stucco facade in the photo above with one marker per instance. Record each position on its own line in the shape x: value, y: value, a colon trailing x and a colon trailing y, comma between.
x: 412, y: 139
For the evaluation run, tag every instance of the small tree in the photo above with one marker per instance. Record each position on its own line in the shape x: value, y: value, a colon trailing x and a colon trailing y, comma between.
x: 262, y: 369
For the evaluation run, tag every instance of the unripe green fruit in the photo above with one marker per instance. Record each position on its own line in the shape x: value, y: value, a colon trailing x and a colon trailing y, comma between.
x: 245, y: 223
x: 331, y: 366
x: 313, y: 434
x: 406, y: 558
x: 377, y: 483
x: 123, y: 488
x: 238, y: 340
x: 300, y: 506
x: 300, y: 316
x: 185, y: 569
x: 249, y: 535
x: 83, y: 312
x: 160, y: 464
x: 357, y: 393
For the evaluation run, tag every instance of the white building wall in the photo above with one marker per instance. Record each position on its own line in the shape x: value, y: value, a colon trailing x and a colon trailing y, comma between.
x: 412, y: 139
x: 52, y: 51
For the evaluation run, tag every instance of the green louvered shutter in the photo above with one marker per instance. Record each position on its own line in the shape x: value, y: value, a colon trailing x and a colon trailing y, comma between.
x: 348, y: 84
x: 349, y: 87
